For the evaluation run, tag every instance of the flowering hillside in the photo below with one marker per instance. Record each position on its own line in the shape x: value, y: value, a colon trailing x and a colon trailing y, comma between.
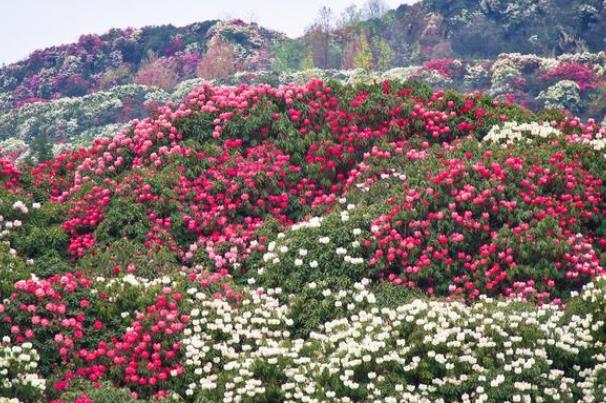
x: 67, y: 95
x: 378, y: 38
x: 155, y: 55
x: 532, y: 81
x: 315, y: 242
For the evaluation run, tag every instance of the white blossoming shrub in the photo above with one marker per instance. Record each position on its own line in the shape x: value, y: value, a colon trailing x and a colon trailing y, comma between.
x: 421, y: 351
x: 18, y: 372
x: 511, y: 132
x: 322, y: 248
x: 564, y: 94
x: 236, y: 352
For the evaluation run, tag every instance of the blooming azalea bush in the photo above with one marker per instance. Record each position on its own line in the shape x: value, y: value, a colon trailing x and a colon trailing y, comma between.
x: 317, y: 242
x: 430, y: 223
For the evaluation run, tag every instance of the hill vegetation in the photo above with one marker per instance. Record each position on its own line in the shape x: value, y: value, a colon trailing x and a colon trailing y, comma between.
x: 325, y: 241
x: 400, y: 206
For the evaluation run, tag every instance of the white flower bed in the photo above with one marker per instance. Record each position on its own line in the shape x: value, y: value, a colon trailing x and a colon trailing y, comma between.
x: 423, y: 351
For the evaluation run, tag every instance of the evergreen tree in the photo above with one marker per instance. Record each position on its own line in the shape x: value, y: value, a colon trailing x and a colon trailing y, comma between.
x: 41, y: 148
x: 383, y: 52
x: 308, y: 62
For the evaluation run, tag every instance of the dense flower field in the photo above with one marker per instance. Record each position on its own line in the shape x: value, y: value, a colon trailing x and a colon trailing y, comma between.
x: 319, y: 242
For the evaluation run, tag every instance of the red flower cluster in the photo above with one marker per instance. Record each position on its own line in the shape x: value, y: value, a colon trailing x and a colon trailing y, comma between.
x: 147, y: 355
x: 474, y: 228
x: 583, y: 75
x: 58, y: 309
x: 244, y: 180
x: 442, y: 66
x: 9, y: 174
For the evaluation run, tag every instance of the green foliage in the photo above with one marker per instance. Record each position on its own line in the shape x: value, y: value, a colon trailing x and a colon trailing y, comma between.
x: 383, y: 52
x: 289, y: 56
x: 12, y: 269
x: 123, y: 220
x: 41, y: 148
x: 127, y: 256
x: 103, y: 392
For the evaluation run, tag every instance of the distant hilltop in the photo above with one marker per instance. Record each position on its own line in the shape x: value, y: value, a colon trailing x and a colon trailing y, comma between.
x: 374, y: 38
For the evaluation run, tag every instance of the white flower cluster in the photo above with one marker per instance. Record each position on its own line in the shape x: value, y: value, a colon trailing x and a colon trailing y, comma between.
x: 422, y: 351
x: 511, y: 132
x: 6, y: 225
x: 286, y: 248
x: 314, y: 222
x: 19, y: 205
x: 135, y: 281
x: 18, y: 370
x: 564, y: 94
x: 224, y: 343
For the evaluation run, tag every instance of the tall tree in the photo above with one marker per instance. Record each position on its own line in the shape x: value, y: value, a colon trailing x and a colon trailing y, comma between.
x: 363, y: 58
x: 158, y: 72
x: 41, y: 148
x: 350, y: 17
x: 374, y: 9
x: 318, y: 36
x: 289, y: 56
x: 350, y: 50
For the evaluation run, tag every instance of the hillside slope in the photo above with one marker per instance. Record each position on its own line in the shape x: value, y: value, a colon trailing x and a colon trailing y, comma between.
x: 471, y: 29
x: 316, y: 242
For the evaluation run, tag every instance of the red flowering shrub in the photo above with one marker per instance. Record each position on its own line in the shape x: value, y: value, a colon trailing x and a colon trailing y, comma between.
x: 56, y: 315
x: 583, y: 75
x: 495, y: 222
x: 442, y: 66
x: 229, y: 159
x: 9, y: 173
x: 51, y: 179
x: 146, y: 356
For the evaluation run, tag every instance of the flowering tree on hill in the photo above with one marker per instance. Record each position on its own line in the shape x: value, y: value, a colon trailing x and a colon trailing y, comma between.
x: 158, y: 72
x: 219, y: 61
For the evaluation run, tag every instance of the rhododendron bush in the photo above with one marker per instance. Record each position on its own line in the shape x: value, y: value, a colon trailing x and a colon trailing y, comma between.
x: 317, y: 242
